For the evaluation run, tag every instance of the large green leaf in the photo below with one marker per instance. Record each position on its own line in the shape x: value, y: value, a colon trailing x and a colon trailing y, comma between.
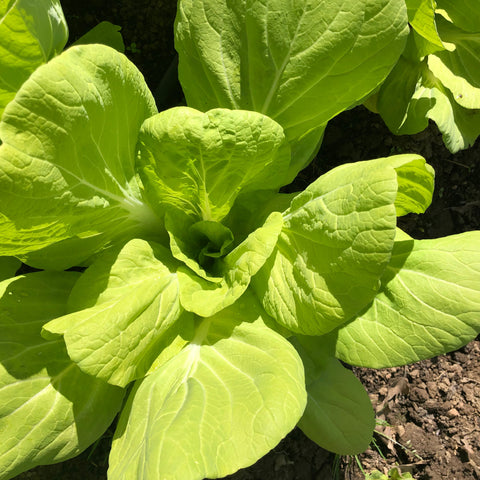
x: 128, y: 311
x: 396, y: 98
x: 200, y: 162
x: 31, y: 33
x: 336, y: 242
x: 339, y: 415
x: 206, y: 298
x: 463, y: 13
x: 301, y: 63
x: 49, y: 410
x: 429, y: 304
x: 220, y: 404
x: 67, y: 181
x: 393, y: 99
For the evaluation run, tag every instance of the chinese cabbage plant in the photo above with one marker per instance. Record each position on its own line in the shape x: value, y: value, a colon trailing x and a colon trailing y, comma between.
x: 437, y: 76
x: 206, y: 307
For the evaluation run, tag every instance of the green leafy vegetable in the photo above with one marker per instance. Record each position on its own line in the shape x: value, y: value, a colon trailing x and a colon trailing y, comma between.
x: 127, y: 306
x: 199, y: 163
x: 196, y: 281
x: 306, y: 284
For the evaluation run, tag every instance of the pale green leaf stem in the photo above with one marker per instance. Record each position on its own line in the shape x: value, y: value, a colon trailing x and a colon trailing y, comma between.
x: 459, y: 67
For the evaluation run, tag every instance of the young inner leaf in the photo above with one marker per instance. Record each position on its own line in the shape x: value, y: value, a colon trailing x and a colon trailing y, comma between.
x: 214, y: 238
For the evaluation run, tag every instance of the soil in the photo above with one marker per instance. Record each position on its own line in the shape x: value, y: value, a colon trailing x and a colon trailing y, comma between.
x: 428, y: 413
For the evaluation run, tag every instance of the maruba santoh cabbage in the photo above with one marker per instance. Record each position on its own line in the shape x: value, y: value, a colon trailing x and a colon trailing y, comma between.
x: 221, y: 302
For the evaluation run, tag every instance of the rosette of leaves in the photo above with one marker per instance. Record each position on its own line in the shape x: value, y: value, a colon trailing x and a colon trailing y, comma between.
x: 215, y: 306
x: 438, y: 75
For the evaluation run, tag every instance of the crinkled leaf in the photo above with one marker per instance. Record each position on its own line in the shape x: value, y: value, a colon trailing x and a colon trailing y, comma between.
x: 128, y: 311
x: 336, y: 241
x: 219, y: 405
x: 459, y: 68
x: 339, y: 415
x: 237, y: 268
x: 200, y: 162
x: 49, y: 410
x: 67, y: 182
x: 301, y: 63
x: 189, y: 247
x: 218, y: 238
x: 105, y: 33
x: 429, y: 304
x: 8, y: 267
x: 463, y: 13
x: 31, y: 33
